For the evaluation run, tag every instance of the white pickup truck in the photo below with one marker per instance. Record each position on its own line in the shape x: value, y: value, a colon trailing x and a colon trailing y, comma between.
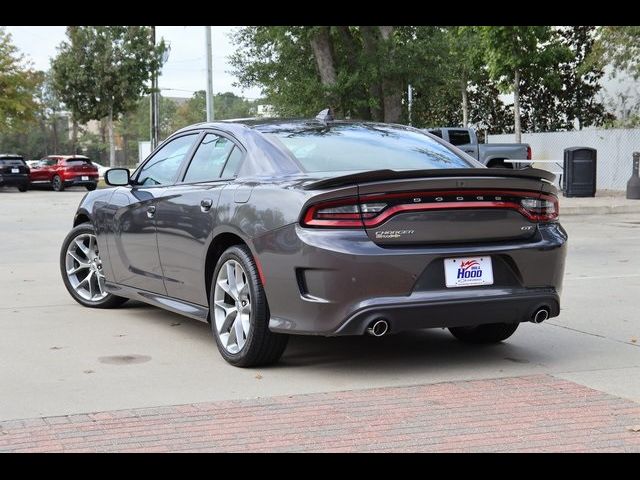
x: 491, y: 154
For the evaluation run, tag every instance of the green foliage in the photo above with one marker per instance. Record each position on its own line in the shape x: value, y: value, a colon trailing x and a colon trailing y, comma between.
x: 18, y: 85
x: 619, y: 46
x: 104, y: 70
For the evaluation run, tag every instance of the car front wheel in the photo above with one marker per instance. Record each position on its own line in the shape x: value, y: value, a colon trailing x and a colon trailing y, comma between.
x: 239, y: 312
x: 81, y: 269
x: 490, y: 333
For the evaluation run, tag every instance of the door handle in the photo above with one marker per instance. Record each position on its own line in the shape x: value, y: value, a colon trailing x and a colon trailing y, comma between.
x: 151, y: 211
x: 206, y: 204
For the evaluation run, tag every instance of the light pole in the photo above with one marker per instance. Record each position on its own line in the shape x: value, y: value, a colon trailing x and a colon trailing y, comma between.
x: 210, y: 115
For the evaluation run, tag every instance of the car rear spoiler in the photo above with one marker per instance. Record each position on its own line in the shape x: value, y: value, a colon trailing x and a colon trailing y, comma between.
x: 381, y: 175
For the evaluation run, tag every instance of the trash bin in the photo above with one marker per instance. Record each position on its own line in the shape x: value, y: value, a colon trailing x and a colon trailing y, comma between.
x: 579, y: 177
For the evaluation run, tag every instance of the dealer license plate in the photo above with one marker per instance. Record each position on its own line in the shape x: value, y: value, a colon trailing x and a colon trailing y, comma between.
x: 468, y: 272
x: 15, y: 170
x: 85, y: 177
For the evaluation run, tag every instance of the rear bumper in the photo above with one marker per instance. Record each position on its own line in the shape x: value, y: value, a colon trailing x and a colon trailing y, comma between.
x: 14, y: 180
x: 331, y: 282
x: 422, y: 310
x: 78, y: 182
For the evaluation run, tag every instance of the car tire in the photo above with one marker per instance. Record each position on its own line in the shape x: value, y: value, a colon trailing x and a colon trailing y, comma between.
x: 23, y: 188
x: 72, y: 282
x: 483, y: 334
x: 57, y: 184
x: 257, y: 345
x: 91, y: 187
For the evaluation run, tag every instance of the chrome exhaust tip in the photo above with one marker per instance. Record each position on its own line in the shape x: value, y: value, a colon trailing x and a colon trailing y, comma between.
x: 378, y: 328
x: 540, y: 315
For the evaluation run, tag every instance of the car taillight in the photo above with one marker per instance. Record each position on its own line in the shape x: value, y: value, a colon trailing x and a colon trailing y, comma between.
x: 543, y: 209
x: 529, y: 152
x: 373, y: 210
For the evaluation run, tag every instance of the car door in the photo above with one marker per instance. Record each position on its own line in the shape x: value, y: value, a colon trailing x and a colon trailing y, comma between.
x: 131, y: 217
x: 462, y: 139
x: 187, y: 215
x: 42, y: 171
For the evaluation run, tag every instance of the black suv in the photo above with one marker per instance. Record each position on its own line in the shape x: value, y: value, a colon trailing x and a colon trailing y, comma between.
x: 14, y: 172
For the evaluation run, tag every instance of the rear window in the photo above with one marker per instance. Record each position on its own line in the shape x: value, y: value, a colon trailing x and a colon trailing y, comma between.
x: 12, y: 162
x: 459, y: 137
x: 77, y: 161
x: 345, y: 147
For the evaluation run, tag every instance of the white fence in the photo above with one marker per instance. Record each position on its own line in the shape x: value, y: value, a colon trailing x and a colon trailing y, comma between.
x: 615, y: 149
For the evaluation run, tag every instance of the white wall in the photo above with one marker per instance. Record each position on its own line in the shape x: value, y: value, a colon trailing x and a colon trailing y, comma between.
x: 615, y: 149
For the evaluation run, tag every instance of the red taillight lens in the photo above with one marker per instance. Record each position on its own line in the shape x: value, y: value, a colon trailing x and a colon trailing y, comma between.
x: 529, y: 152
x: 543, y: 209
x: 373, y: 210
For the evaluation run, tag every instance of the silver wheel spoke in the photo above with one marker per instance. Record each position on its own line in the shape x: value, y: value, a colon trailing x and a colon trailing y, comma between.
x: 239, y: 332
x: 232, y: 279
x: 82, y: 266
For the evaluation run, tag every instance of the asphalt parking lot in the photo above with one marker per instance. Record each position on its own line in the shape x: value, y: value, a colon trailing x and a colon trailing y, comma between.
x: 58, y: 358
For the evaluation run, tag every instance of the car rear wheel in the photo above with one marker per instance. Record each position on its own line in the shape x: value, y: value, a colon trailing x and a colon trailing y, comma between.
x: 91, y: 187
x: 57, y: 184
x: 81, y: 269
x: 23, y: 188
x: 239, y: 312
x: 490, y: 333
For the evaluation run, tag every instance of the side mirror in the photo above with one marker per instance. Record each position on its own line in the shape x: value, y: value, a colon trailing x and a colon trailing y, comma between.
x: 117, y: 177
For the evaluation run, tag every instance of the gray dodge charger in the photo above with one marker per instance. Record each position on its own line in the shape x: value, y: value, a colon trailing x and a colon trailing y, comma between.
x: 319, y: 227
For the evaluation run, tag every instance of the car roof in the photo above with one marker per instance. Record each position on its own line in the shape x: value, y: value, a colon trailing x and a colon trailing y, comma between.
x: 10, y: 155
x: 67, y: 157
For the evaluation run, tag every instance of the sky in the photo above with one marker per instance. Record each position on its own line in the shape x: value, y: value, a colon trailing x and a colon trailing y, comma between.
x: 182, y: 74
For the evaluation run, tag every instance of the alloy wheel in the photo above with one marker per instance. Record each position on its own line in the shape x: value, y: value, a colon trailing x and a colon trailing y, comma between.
x: 232, y: 306
x: 84, y: 268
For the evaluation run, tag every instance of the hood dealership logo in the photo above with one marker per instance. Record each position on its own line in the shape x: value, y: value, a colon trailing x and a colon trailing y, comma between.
x: 393, y: 233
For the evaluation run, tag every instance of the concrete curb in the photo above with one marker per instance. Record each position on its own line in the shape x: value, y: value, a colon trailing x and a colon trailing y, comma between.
x: 597, y: 209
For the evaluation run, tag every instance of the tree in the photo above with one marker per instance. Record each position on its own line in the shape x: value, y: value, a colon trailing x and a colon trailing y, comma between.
x: 359, y: 71
x: 101, y: 72
x: 619, y: 46
x: 511, y: 51
x: 18, y: 85
x: 557, y: 98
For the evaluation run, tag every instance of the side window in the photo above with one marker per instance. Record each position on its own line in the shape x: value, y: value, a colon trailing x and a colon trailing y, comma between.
x: 163, y: 167
x: 459, y: 137
x: 209, y: 159
x: 437, y: 132
x: 233, y: 163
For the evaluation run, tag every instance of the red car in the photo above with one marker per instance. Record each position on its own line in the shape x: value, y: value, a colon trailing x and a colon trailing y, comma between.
x: 61, y: 171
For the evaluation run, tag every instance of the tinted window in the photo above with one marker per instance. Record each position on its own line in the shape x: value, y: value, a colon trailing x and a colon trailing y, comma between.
x: 77, y: 161
x: 209, y: 159
x: 48, y: 162
x: 459, y: 137
x: 437, y: 133
x: 362, y: 147
x: 163, y: 167
x: 11, y: 162
x: 233, y: 163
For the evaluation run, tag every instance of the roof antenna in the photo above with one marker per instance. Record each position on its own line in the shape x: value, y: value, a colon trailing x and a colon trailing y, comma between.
x: 325, y: 116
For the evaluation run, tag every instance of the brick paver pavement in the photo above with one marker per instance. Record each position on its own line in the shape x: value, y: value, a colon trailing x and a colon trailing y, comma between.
x: 533, y: 413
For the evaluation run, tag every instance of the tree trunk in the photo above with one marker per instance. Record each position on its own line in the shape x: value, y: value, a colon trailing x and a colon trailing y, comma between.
x: 370, y: 40
x: 323, y: 53
x: 74, y: 135
x: 465, y: 105
x: 54, y: 127
x: 516, y: 106
x: 391, y: 88
x: 351, y: 49
x: 112, y: 145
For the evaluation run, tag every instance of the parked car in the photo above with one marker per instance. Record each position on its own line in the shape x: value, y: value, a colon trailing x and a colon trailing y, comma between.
x: 489, y: 154
x: 62, y: 171
x: 320, y: 227
x: 101, y: 169
x: 31, y: 163
x: 14, y: 172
